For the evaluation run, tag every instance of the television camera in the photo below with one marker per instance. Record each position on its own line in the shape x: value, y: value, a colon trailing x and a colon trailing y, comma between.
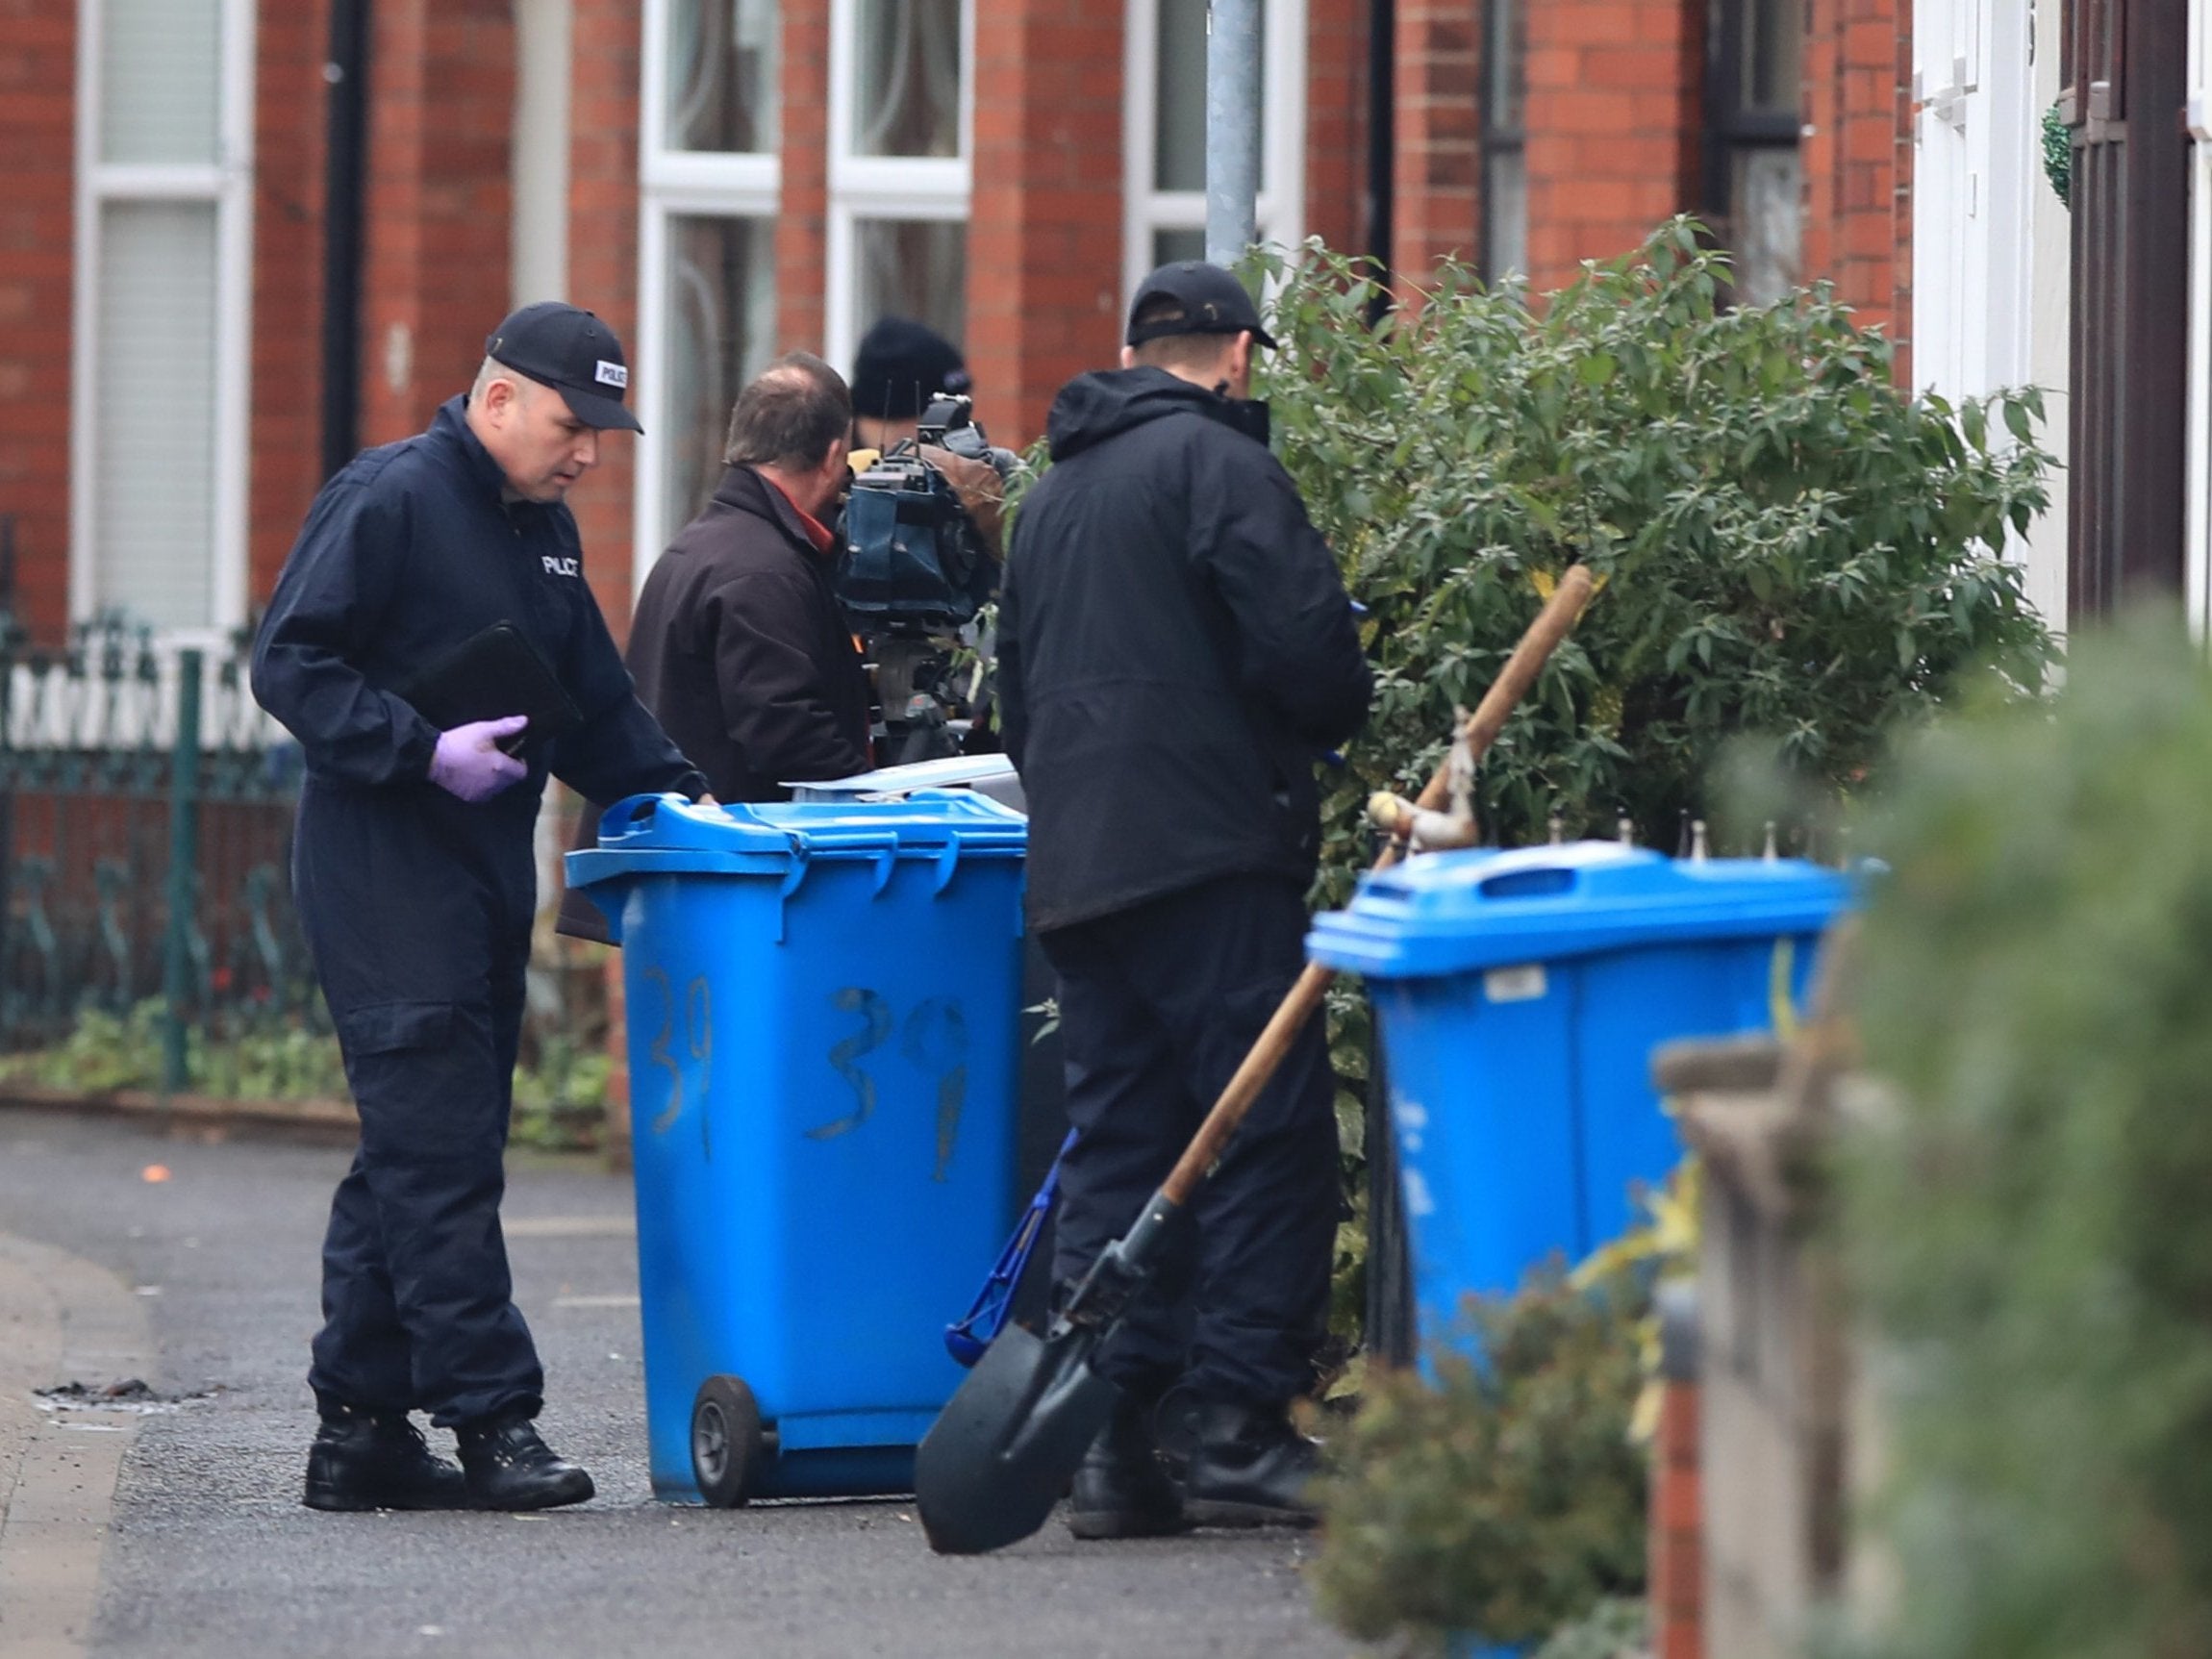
x: 914, y: 571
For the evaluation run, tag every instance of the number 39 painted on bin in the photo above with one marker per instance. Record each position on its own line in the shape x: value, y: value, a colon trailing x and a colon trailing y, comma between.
x: 698, y: 1037
x: 935, y: 1040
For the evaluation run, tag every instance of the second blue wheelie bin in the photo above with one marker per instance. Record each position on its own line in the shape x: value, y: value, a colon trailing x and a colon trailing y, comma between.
x: 822, y: 1002
x: 1520, y: 996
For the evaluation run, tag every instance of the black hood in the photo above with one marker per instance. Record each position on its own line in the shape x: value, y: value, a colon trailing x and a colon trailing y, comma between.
x: 1093, y: 408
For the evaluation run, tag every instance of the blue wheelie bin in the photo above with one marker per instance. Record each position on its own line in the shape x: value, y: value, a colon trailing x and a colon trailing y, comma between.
x: 823, y: 1001
x: 1521, y: 994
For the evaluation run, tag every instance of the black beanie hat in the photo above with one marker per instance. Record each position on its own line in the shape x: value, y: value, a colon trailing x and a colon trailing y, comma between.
x: 901, y: 365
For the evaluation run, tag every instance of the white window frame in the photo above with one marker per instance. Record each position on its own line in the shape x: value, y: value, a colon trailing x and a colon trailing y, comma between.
x: 936, y: 188
x: 2197, y: 506
x: 1282, y: 203
x: 228, y: 183
x: 675, y: 184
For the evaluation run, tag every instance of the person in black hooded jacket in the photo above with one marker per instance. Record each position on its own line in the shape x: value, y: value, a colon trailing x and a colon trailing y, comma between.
x: 1175, y: 650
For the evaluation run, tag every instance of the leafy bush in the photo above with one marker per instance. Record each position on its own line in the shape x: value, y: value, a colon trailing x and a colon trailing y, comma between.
x: 1507, y: 1499
x: 2031, y: 1235
x: 1795, y: 553
x: 1792, y: 550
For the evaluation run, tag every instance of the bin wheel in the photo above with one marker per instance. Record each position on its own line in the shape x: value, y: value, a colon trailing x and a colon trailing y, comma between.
x: 726, y: 1440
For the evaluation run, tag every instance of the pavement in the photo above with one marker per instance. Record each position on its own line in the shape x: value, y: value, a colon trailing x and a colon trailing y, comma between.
x: 176, y: 1531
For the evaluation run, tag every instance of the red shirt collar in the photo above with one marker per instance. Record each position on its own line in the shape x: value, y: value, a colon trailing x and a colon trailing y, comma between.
x: 816, y: 532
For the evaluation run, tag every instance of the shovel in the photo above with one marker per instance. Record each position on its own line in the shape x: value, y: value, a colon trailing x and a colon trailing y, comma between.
x: 1006, y: 1444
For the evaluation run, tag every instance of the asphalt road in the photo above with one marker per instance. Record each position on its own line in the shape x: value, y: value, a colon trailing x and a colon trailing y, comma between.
x: 211, y: 1554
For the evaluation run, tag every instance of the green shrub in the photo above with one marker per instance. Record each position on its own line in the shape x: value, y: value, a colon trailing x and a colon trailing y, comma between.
x: 1507, y: 1499
x: 2030, y: 1234
x: 1795, y: 556
x: 1792, y: 549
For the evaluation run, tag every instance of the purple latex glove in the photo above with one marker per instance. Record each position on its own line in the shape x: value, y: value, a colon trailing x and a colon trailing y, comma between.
x: 470, y: 763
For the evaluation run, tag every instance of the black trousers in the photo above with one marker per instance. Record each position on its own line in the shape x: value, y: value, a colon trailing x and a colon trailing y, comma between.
x: 417, y: 912
x: 1158, y: 1005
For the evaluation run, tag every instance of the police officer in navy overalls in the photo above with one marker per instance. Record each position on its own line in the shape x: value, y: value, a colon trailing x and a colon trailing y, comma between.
x: 416, y: 883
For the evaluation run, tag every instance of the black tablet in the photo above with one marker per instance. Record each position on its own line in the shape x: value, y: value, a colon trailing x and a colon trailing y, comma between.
x: 488, y: 676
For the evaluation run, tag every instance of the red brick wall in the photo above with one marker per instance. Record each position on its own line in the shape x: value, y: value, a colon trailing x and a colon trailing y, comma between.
x: 802, y: 223
x: 1045, y: 224
x: 37, y: 137
x: 1677, y: 1532
x: 603, y: 265
x: 1858, y: 155
x: 1614, y: 97
x: 285, y: 420
x: 1336, y: 206
x: 1436, y: 166
x: 441, y: 93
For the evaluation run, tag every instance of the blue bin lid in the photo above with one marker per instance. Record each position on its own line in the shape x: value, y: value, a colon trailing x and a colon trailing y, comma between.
x: 669, y: 835
x: 1454, y: 911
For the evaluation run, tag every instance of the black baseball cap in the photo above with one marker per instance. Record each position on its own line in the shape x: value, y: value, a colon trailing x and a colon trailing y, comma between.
x: 1209, y: 301
x: 574, y: 353
x: 900, y: 365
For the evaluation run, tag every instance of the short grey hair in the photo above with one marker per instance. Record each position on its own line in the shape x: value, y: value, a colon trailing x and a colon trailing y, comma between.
x: 491, y: 369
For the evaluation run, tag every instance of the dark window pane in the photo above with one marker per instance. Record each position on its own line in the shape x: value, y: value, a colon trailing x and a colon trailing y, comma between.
x: 1772, y: 50
x: 1169, y: 246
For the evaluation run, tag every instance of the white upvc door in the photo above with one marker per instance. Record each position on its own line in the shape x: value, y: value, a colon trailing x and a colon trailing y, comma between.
x: 1970, y: 182
x: 161, y: 346
x: 2198, y: 505
x: 1984, y: 219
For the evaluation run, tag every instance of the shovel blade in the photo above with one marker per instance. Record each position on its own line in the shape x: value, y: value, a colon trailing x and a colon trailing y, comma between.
x: 1003, y: 1450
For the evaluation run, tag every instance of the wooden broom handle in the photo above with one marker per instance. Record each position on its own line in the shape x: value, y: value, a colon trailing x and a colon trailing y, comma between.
x: 1552, y: 625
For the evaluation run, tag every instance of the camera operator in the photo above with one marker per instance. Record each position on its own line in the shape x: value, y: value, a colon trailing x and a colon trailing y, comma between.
x: 915, y: 575
x: 901, y: 367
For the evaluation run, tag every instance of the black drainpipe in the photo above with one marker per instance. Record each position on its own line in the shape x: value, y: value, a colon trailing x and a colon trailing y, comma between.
x: 344, y: 177
x: 1382, y: 140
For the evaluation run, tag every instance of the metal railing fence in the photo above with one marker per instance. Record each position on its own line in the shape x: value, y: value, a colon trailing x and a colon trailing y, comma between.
x: 146, y: 810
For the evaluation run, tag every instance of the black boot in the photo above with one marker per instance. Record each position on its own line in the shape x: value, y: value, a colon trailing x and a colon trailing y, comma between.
x: 359, y: 1460
x: 1122, y: 1488
x: 510, y: 1467
x: 1251, y: 1468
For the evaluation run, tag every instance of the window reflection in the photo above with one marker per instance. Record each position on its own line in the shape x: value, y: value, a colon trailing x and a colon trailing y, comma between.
x: 1767, y: 189
x: 914, y: 268
x: 906, y: 97
x: 1755, y: 176
x: 722, y: 75
x: 721, y: 317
